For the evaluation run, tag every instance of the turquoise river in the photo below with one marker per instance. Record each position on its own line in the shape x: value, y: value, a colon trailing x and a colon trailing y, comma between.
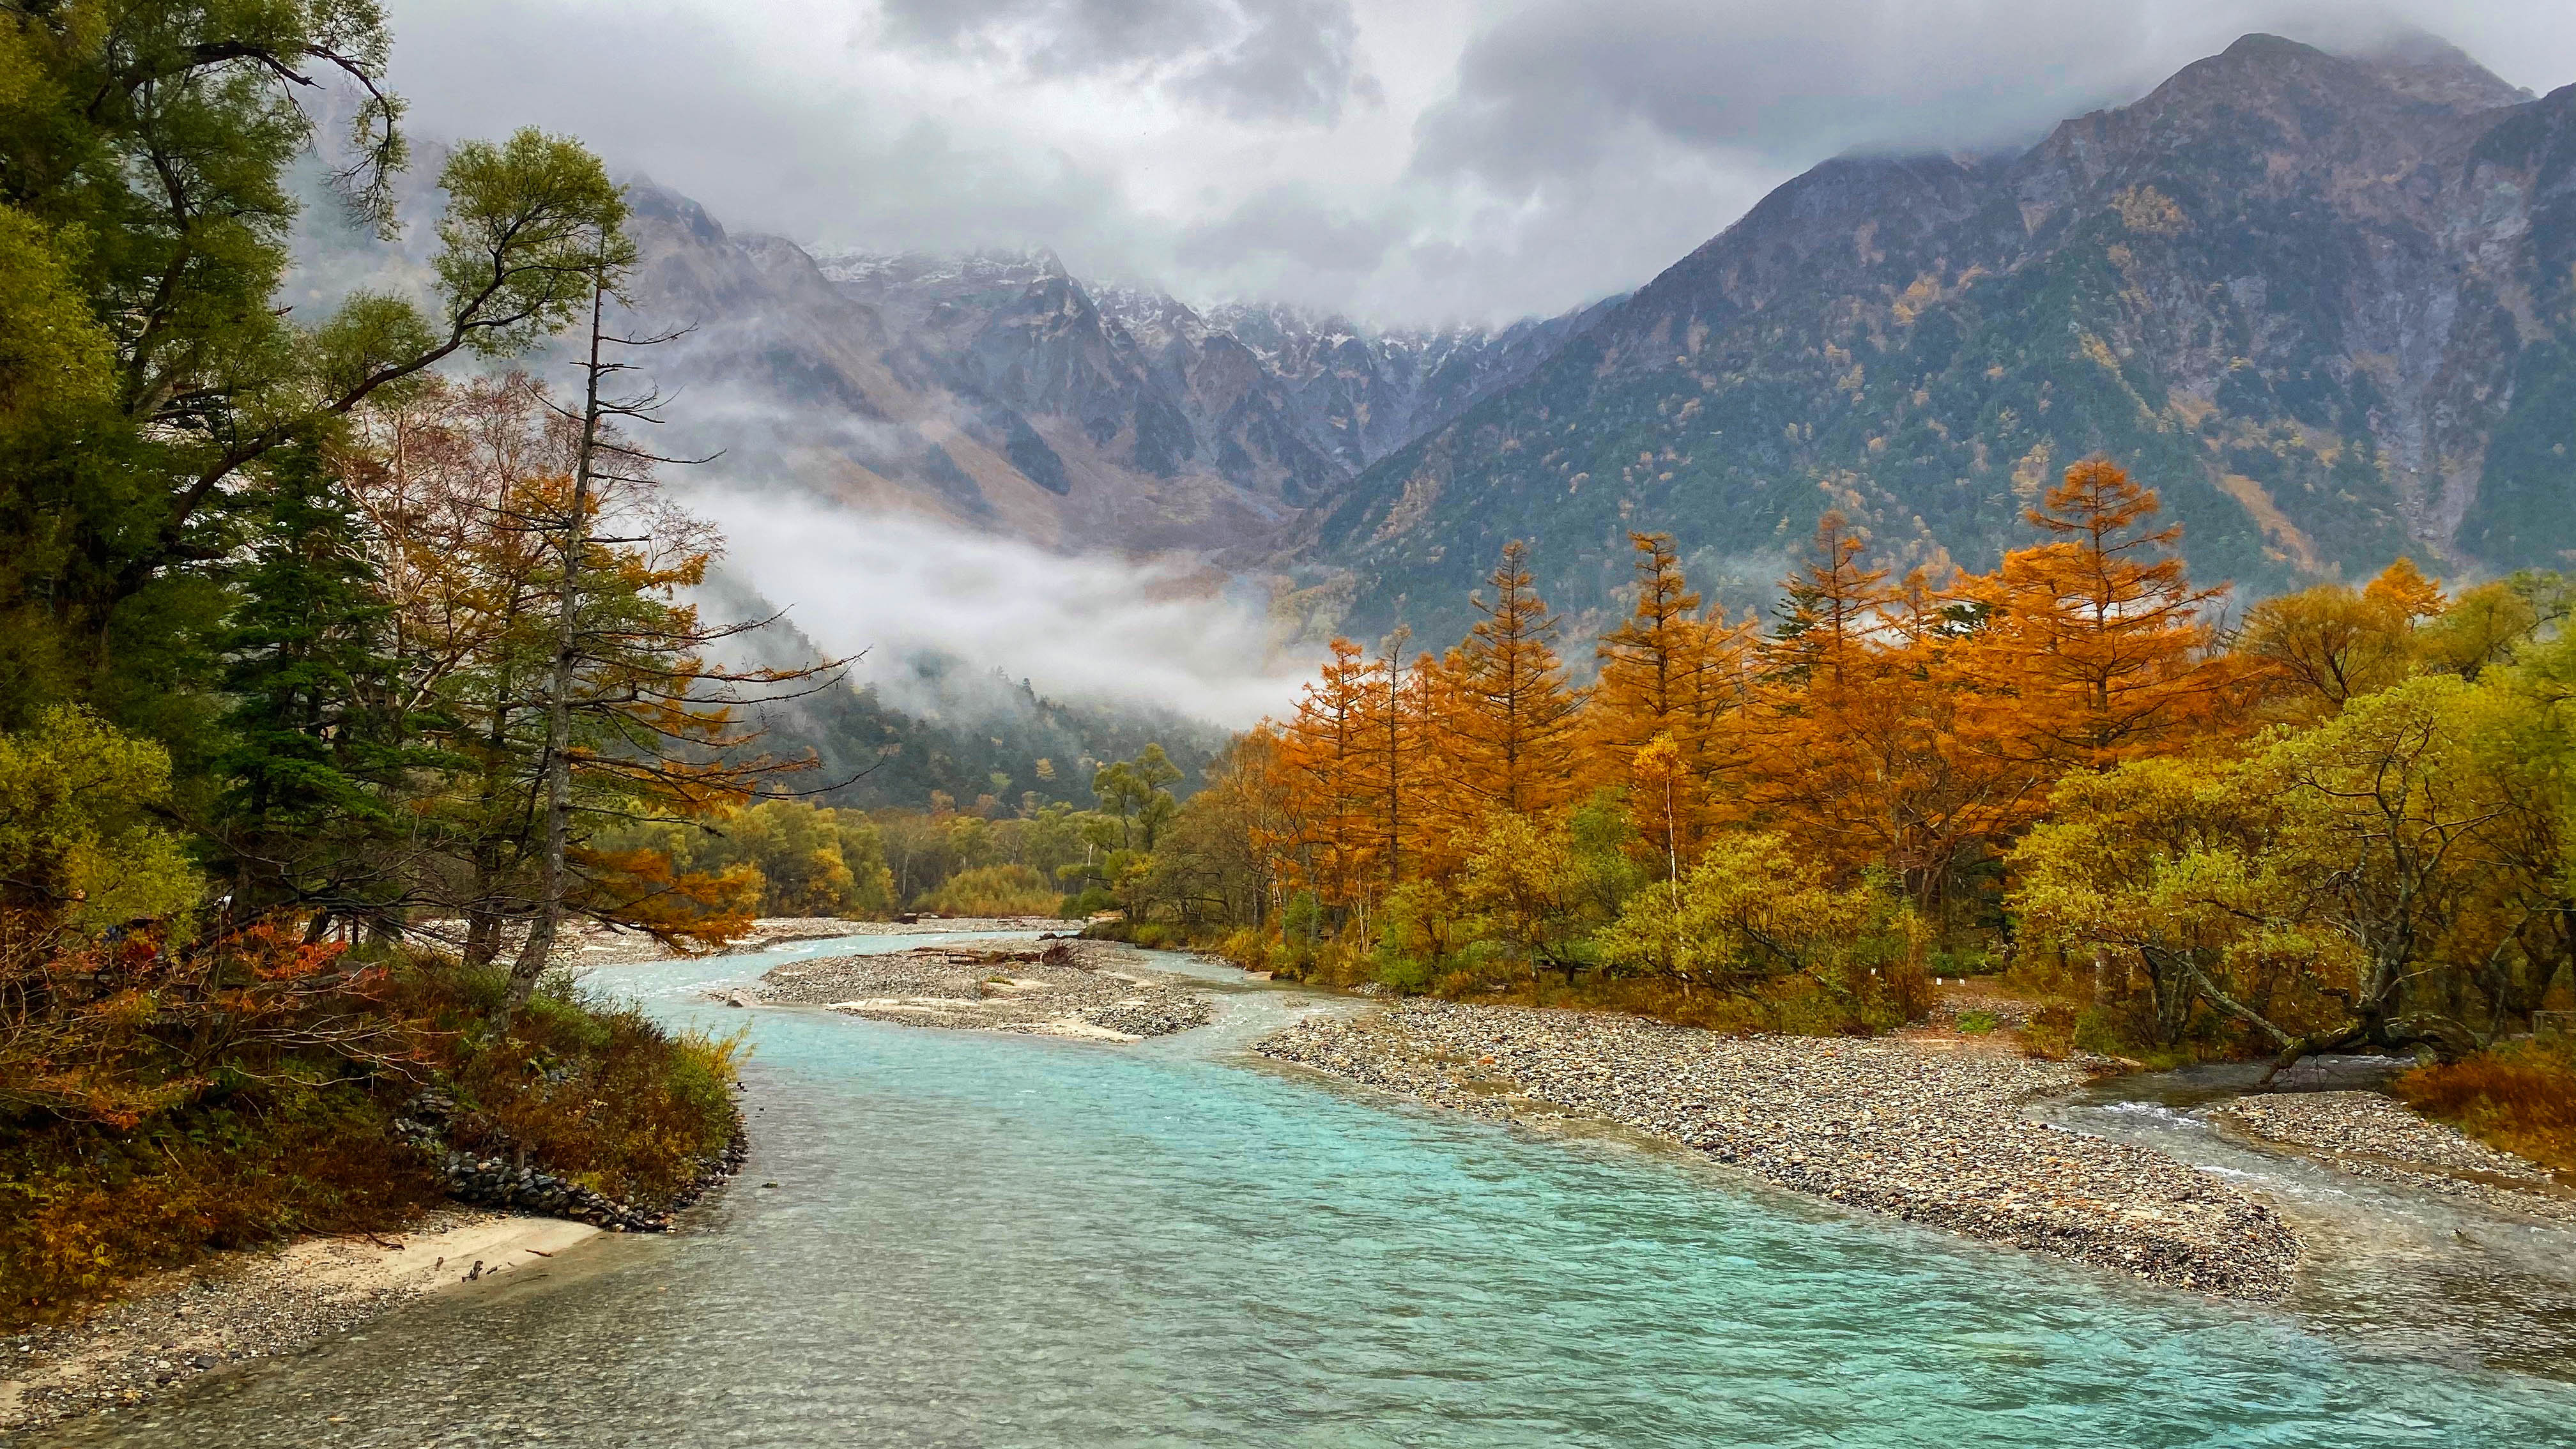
x: 955, y: 1238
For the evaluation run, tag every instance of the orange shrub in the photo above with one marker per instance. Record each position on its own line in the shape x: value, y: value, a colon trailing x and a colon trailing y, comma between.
x: 2520, y: 1097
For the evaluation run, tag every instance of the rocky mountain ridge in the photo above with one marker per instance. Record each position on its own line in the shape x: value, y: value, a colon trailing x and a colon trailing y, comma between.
x: 2325, y: 304
x: 998, y: 391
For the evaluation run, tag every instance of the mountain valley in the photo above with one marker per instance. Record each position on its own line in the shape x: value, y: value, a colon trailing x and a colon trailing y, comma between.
x: 2323, y: 303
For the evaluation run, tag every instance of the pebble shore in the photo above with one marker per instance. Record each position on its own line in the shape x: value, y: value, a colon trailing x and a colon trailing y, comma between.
x: 1897, y: 1127
x: 253, y: 1304
x: 2378, y: 1137
x: 1065, y: 988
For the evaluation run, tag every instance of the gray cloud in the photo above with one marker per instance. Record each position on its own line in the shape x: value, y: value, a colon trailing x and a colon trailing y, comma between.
x: 1552, y: 89
x: 1053, y: 37
x: 1294, y: 224
x: 669, y: 92
x: 1399, y: 160
x: 1253, y: 60
x: 1294, y: 61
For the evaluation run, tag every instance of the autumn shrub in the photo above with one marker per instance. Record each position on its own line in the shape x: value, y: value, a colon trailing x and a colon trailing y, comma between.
x: 598, y: 1092
x: 2520, y: 1096
x: 2051, y: 1033
x: 994, y: 890
x: 85, y: 1205
x: 1248, y: 947
x: 159, y: 1102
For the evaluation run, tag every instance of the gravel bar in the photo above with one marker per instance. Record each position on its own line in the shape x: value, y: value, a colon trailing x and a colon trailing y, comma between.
x: 1065, y: 988
x: 1934, y: 1136
x: 2375, y: 1136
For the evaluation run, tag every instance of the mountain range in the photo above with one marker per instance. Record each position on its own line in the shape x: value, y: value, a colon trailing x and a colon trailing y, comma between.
x: 996, y: 391
x: 2325, y: 304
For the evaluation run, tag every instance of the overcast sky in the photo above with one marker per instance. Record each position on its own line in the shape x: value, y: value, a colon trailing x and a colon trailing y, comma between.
x: 1405, y: 160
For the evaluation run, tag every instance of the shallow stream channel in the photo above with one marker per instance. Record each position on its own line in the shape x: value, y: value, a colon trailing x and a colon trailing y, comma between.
x: 969, y: 1238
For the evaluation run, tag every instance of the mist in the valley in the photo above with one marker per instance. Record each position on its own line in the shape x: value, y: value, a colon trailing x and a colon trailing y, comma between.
x: 897, y: 589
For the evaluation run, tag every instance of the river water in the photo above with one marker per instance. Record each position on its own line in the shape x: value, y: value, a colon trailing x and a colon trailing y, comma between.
x: 956, y: 1238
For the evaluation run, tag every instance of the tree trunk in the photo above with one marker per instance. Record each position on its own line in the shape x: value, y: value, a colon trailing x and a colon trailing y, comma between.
x: 539, y: 950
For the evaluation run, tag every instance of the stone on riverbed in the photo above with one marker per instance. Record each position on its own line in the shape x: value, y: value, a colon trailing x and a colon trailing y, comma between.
x: 2375, y: 1136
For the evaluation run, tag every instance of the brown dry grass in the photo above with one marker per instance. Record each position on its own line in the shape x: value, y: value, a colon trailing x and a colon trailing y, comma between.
x: 1852, y: 1000
x: 2519, y: 1097
x: 83, y: 1206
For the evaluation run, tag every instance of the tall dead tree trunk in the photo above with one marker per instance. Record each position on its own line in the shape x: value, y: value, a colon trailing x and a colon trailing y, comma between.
x: 557, y: 771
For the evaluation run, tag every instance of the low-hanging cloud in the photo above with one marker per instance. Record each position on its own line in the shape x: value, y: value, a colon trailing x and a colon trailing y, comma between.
x: 1296, y: 223
x: 1078, y: 627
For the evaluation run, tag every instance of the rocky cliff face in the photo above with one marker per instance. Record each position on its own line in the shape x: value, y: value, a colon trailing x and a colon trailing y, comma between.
x: 2324, y: 304
x: 1000, y: 392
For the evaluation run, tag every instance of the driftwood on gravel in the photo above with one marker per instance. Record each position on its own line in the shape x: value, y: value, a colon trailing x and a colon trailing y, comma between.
x: 1067, y: 988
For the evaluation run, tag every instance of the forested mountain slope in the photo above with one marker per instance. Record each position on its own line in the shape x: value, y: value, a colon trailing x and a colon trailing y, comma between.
x: 2322, y: 303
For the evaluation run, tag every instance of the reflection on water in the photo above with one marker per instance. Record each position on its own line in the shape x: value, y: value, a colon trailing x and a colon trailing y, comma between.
x: 989, y: 1240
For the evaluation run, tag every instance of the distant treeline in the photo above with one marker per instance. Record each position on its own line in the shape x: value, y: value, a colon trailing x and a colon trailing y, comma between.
x: 790, y: 857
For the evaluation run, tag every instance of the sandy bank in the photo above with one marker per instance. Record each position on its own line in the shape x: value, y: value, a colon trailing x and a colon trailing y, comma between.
x: 1935, y: 1136
x: 247, y: 1305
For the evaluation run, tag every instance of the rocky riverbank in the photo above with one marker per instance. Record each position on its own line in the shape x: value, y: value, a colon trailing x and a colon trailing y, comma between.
x: 1064, y: 988
x: 254, y: 1304
x: 2379, y: 1137
x: 589, y: 946
x: 1932, y: 1136
x: 507, y: 1181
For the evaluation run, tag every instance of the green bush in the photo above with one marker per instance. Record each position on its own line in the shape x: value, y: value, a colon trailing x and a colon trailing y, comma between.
x: 1091, y: 902
x: 994, y: 890
x: 1410, y: 975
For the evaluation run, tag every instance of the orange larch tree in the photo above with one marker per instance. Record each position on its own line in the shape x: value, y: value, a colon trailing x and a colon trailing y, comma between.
x: 1668, y: 673
x: 1505, y: 717
x: 1813, y: 737
x: 1392, y: 759
x: 2096, y: 647
x: 1325, y: 748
